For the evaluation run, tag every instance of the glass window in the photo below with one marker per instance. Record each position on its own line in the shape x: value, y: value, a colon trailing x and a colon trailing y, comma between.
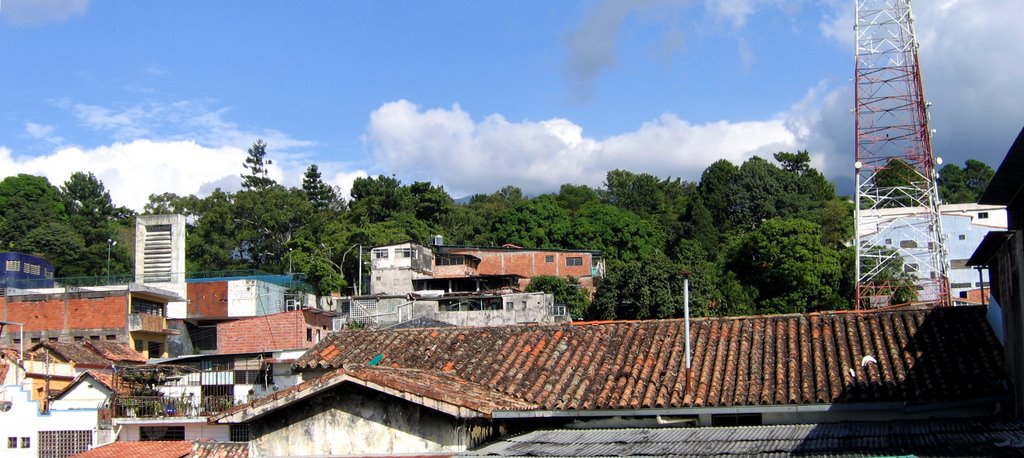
x: 26, y: 442
x: 12, y: 442
x: 574, y: 261
x: 549, y: 258
x: 982, y: 215
x: 380, y: 254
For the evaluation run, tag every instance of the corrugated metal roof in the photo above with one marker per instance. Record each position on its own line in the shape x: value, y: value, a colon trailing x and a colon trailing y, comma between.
x: 924, y: 438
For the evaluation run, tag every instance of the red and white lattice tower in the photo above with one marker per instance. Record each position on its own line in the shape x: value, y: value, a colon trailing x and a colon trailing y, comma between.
x: 897, y: 197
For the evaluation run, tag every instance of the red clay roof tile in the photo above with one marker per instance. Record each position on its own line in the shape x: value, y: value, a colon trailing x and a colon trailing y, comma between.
x: 901, y: 355
x: 148, y: 449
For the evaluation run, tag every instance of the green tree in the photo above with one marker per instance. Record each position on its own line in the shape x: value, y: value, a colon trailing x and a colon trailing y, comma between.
x: 793, y: 271
x: 267, y: 222
x: 964, y: 185
x: 93, y: 214
x: 574, y: 197
x: 256, y: 164
x: 431, y: 203
x: 619, y: 234
x: 321, y: 195
x: 566, y: 292
x: 537, y: 223
x: 640, y: 193
x: 27, y: 202
x: 376, y: 200
x: 646, y: 288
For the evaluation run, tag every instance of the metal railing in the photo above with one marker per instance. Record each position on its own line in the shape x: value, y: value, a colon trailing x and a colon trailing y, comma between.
x: 170, y: 406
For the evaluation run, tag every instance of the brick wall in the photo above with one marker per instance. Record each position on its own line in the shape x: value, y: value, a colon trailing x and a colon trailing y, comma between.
x: 278, y: 331
x: 82, y: 313
x: 208, y: 300
x: 527, y: 263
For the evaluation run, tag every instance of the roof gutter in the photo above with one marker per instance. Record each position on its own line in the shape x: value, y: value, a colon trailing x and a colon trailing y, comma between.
x: 905, y: 407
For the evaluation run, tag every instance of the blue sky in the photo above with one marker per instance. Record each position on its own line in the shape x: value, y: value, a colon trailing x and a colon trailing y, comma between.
x: 163, y: 96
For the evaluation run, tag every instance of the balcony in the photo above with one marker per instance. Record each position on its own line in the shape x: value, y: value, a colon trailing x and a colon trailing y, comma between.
x: 186, y: 406
x: 146, y: 323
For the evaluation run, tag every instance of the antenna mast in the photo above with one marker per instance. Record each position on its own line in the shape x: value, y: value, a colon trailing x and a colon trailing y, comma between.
x: 900, y: 252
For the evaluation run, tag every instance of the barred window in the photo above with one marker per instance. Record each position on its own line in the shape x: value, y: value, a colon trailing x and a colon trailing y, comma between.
x: 13, y: 265
x: 64, y: 443
x: 239, y: 433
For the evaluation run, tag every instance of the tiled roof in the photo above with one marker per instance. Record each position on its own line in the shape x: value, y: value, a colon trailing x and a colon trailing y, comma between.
x: 933, y: 438
x: 118, y: 352
x: 91, y: 353
x: 75, y: 352
x: 438, y: 390
x: 148, y: 449
x: 821, y: 358
x: 207, y: 449
x: 169, y: 449
x: 421, y: 322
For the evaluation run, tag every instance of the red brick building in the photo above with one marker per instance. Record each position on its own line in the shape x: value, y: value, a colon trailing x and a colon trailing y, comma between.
x: 132, y: 314
x: 515, y: 263
x: 280, y: 331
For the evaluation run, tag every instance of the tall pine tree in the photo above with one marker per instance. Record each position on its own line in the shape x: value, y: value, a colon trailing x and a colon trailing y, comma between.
x: 257, y: 178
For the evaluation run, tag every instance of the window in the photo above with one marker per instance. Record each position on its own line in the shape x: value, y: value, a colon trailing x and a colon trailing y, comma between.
x: 958, y: 264
x: 140, y: 345
x: 147, y: 307
x: 78, y: 338
x: 574, y: 261
x: 13, y: 265
x: 739, y: 419
x: 380, y: 254
x: 64, y: 443
x: 12, y: 442
x: 155, y: 349
x: 908, y: 244
x: 239, y: 433
x: 962, y: 237
x: 405, y: 253
x: 888, y: 241
x: 982, y: 215
x: 161, y: 433
x: 26, y: 442
x: 960, y: 286
x: 451, y: 260
x: 309, y: 334
x: 109, y: 337
x: 549, y: 258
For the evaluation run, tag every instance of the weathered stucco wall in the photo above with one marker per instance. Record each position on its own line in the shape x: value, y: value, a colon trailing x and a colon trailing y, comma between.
x: 351, y: 419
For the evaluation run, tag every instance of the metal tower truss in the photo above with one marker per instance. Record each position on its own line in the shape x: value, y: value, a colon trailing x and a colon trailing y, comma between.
x: 897, y: 195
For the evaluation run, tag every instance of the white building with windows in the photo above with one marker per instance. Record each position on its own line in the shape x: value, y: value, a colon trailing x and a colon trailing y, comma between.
x: 963, y: 226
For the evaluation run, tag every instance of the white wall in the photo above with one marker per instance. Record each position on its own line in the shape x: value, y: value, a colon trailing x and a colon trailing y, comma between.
x: 24, y: 420
x: 254, y: 298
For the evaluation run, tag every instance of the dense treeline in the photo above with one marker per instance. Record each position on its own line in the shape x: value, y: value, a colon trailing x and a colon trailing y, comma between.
x: 758, y: 237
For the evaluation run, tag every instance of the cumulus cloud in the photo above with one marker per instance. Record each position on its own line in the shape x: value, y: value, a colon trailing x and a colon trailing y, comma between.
x: 591, y: 45
x: 970, y: 69
x: 447, y: 146
x: 38, y: 12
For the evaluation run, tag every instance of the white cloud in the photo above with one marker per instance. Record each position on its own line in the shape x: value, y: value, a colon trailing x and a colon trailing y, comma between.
x: 38, y: 12
x: 132, y: 171
x: 448, y: 147
x: 591, y: 45
x: 971, y: 72
x: 43, y: 132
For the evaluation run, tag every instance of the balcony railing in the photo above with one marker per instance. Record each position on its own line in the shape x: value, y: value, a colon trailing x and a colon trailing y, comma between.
x: 170, y: 406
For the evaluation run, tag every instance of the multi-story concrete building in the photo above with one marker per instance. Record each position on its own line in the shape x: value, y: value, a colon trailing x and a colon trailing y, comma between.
x: 408, y: 267
x: 134, y: 314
